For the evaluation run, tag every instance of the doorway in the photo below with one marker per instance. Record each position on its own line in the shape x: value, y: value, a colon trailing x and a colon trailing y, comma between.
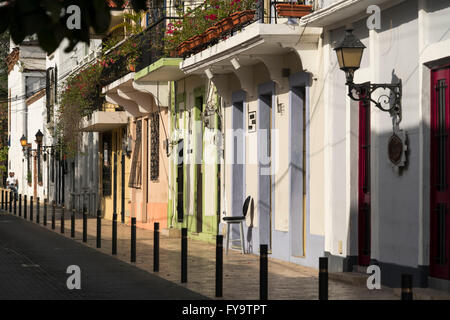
x: 439, y: 174
x: 199, y: 166
x: 265, y: 205
x: 364, y: 229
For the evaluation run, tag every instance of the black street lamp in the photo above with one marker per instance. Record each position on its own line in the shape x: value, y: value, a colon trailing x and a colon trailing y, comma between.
x: 39, y: 136
x: 349, y: 53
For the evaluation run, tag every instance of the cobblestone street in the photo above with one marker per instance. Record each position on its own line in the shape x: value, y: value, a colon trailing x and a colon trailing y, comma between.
x: 241, y: 272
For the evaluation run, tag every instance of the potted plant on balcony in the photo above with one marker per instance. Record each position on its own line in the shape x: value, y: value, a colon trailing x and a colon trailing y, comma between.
x: 225, y: 25
x: 293, y: 9
x: 243, y: 11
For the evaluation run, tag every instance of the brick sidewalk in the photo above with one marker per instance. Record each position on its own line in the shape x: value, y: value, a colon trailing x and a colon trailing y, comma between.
x: 241, y: 272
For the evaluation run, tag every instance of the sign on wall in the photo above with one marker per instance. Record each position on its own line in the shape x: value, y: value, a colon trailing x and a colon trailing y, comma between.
x: 252, y: 121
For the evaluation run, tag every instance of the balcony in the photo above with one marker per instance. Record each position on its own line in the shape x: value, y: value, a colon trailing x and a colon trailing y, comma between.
x: 264, y: 40
x: 100, y: 121
x: 150, y: 50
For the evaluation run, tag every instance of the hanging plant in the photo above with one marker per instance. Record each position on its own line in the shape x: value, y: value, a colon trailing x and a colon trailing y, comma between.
x: 80, y: 97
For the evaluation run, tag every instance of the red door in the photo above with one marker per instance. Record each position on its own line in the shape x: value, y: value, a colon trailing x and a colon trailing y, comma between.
x: 439, y: 175
x: 364, y: 185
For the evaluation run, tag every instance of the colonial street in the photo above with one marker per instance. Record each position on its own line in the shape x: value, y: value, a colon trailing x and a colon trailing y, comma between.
x: 34, y: 259
x: 33, y: 263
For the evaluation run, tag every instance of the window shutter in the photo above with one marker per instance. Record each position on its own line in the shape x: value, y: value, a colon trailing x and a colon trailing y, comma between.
x: 56, y: 83
x: 47, y: 93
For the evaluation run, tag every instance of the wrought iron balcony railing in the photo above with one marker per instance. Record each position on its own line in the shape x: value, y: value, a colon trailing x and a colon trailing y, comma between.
x: 150, y: 44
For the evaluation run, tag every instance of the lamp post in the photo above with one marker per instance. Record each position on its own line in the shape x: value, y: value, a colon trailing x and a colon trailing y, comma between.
x: 28, y: 151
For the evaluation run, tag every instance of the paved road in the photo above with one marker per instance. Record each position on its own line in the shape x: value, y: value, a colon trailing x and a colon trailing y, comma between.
x: 33, y: 263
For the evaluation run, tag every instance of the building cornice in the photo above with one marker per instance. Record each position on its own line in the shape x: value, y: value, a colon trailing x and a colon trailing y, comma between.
x: 343, y: 10
x: 12, y: 58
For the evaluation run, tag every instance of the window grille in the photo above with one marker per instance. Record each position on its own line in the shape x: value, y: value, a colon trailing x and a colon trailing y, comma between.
x: 135, y: 174
x: 154, y: 157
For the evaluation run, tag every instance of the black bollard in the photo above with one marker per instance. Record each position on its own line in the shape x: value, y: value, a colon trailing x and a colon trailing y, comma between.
x: 45, y: 212
x: 3, y: 198
x: 114, y: 234
x: 72, y: 224
x: 84, y: 225
x: 156, y: 247
x: 31, y: 208
x: 407, y: 293
x: 10, y: 201
x: 20, y: 205
x: 184, y: 249
x: 15, y: 203
x: 37, y: 210
x: 263, y: 272
x: 25, y: 206
x: 219, y: 265
x: 323, y: 278
x: 53, y: 214
x: 133, y: 240
x: 63, y: 211
x: 99, y: 229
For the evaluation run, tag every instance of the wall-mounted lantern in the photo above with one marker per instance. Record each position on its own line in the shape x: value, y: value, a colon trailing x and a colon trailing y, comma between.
x: 349, y: 53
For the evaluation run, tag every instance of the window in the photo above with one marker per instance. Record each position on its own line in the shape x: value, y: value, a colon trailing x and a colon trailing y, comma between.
x: 34, y: 84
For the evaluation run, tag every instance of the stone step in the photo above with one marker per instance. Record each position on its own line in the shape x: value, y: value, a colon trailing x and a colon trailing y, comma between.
x: 353, y: 278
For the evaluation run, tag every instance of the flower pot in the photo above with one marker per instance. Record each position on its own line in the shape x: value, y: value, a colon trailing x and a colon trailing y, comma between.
x: 235, y: 18
x: 225, y: 25
x: 293, y: 10
x: 182, y: 48
x: 189, y: 45
x: 247, y: 16
x: 242, y: 17
x: 131, y: 67
x: 212, y: 33
x: 197, y: 40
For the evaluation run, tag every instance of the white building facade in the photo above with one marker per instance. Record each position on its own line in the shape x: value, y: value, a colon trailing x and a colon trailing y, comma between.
x: 373, y: 211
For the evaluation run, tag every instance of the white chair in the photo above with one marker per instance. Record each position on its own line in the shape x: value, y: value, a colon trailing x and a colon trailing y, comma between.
x: 237, y: 220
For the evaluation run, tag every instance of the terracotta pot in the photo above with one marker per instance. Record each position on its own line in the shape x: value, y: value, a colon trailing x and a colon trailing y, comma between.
x: 132, y: 67
x: 293, y: 10
x: 225, y: 24
x: 235, y: 18
x: 242, y: 17
x: 212, y: 33
x: 182, y: 48
x: 197, y: 40
x: 247, y: 16
x: 189, y: 44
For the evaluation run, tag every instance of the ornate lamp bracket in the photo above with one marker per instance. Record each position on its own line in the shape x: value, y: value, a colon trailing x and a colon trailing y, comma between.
x: 386, y: 102
x: 397, y: 145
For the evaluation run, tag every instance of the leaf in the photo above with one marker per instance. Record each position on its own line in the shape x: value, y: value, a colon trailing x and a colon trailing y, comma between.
x: 47, y: 40
x: 139, y: 5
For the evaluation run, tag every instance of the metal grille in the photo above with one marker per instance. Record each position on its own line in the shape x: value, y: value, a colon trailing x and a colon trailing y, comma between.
x: 106, y: 167
x: 441, y: 135
x: 441, y: 257
x: 135, y: 174
x: 154, y: 156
